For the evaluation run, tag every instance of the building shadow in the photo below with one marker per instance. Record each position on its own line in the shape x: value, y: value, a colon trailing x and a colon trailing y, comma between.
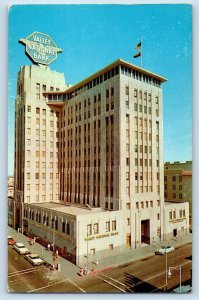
x: 137, y: 285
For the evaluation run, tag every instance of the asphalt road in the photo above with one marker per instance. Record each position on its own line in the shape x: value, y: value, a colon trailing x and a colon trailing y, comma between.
x: 147, y: 275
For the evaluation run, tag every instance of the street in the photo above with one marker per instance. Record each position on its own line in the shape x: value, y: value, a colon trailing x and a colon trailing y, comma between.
x: 145, y: 275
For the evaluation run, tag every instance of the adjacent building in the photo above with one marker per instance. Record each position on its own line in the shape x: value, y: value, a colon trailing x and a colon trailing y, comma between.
x: 178, y: 182
x: 89, y: 172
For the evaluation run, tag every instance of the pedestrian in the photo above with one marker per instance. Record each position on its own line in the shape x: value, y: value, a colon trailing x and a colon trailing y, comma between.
x: 97, y: 261
x: 48, y: 246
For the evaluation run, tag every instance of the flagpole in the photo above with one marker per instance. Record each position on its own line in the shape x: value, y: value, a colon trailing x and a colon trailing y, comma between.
x: 141, y: 52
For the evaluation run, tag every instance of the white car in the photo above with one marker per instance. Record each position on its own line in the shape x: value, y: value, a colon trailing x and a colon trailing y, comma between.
x: 164, y: 250
x: 34, y: 259
x: 19, y: 247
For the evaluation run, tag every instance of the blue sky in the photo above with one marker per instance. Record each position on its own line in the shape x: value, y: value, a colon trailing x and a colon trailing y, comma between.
x: 93, y: 36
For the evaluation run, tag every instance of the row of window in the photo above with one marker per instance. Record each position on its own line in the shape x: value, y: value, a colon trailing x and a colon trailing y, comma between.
x: 140, y: 76
x: 43, y: 175
x: 173, y: 215
x: 145, y: 162
x: 174, y: 195
x: 174, y: 187
x: 94, y: 228
x: 43, y: 186
x: 47, y: 221
x: 143, y: 204
x: 174, y: 178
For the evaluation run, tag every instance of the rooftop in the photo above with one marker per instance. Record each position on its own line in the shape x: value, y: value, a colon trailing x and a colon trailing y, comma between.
x: 118, y: 62
x: 67, y: 209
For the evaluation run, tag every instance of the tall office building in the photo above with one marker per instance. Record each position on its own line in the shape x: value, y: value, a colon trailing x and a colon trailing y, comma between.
x: 89, y: 173
x: 36, y: 140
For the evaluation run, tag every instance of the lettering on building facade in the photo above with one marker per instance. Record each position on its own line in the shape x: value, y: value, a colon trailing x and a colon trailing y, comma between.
x: 40, y: 48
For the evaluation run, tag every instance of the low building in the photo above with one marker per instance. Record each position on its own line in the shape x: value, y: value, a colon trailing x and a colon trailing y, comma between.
x: 178, y: 182
x: 176, y: 219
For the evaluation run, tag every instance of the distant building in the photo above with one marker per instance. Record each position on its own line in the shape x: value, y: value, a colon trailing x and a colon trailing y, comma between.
x: 10, y: 199
x: 178, y: 182
x: 10, y: 187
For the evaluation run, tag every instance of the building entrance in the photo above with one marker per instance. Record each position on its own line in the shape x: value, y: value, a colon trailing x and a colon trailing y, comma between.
x: 145, y: 231
x: 17, y: 218
x: 128, y: 239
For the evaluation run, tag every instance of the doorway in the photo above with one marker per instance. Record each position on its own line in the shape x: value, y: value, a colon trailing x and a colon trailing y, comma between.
x: 128, y: 239
x: 175, y: 233
x: 145, y: 231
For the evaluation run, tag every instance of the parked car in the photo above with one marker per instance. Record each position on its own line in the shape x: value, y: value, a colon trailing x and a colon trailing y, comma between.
x: 11, y: 241
x: 34, y: 259
x: 19, y: 247
x: 183, y: 289
x: 164, y: 250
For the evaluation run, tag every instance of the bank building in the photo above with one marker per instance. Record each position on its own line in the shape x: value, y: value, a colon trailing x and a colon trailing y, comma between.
x: 89, y: 171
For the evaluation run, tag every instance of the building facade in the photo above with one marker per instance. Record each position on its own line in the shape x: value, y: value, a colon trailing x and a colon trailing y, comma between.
x: 89, y: 172
x: 178, y: 182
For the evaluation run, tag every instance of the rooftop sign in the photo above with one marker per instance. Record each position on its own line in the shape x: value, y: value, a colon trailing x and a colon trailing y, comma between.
x: 40, y: 48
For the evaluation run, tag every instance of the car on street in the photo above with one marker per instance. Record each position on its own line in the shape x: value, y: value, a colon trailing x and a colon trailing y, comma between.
x: 34, y: 259
x: 11, y: 241
x: 19, y: 247
x: 164, y: 249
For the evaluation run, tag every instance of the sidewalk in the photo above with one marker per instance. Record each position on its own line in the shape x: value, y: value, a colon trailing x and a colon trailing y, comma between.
x: 67, y: 269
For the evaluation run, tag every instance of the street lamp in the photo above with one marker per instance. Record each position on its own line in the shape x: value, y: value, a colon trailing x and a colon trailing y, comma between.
x: 179, y: 268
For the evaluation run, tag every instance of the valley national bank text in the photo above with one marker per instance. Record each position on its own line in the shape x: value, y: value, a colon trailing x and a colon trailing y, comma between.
x: 89, y: 172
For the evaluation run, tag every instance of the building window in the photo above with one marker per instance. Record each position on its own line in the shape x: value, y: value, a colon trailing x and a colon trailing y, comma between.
x: 158, y: 216
x: 89, y: 229
x: 135, y: 93
x: 128, y: 206
x: 111, y: 247
x: 92, y: 251
x: 135, y: 107
x: 127, y: 90
x: 170, y: 215
x: 113, y: 225
x: 96, y: 228
x: 107, y: 226
x: 174, y: 178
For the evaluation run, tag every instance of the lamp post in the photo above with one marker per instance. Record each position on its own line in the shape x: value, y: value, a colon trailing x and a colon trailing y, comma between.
x: 166, y: 271
x: 179, y: 268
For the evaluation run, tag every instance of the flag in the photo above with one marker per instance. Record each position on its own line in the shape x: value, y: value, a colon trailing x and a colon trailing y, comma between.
x: 139, y: 45
x: 137, y: 55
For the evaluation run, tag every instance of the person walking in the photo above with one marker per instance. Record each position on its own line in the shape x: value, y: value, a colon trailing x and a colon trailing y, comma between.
x: 97, y: 261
